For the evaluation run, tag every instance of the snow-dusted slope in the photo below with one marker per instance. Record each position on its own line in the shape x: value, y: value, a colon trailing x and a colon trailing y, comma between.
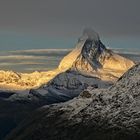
x: 109, y: 114
x: 10, y: 80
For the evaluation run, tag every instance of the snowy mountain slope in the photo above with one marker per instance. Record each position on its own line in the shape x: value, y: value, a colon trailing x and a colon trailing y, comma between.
x: 66, y: 86
x: 10, y: 80
x: 111, y: 113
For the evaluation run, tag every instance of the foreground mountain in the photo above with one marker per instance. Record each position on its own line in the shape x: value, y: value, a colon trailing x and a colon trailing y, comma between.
x: 112, y: 113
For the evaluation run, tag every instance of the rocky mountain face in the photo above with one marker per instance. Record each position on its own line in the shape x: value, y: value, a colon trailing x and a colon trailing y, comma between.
x: 100, y: 114
x: 91, y: 57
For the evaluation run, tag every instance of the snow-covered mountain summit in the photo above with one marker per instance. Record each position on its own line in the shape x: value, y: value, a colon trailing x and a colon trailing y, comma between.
x: 91, y: 57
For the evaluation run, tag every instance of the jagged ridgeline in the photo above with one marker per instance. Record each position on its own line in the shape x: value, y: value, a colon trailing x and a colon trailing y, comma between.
x: 92, y: 57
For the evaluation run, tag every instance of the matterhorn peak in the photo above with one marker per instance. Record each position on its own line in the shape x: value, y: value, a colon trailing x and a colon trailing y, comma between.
x: 86, y: 42
x: 91, y: 57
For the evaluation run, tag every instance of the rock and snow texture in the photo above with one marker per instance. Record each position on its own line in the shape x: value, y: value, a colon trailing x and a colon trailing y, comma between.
x: 10, y: 80
x: 91, y: 57
x: 66, y: 86
x: 112, y: 113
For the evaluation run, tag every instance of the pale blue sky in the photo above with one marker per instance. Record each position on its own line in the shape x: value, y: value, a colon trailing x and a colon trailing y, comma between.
x: 19, y: 41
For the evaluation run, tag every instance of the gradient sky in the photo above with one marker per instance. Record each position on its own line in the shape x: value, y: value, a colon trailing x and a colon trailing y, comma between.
x: 28, y: 24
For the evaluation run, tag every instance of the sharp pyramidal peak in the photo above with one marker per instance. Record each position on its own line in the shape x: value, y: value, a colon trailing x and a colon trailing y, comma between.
x: 91, y: 57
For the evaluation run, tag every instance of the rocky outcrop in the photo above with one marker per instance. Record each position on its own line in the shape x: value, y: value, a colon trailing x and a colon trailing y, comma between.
x: 112, y: 113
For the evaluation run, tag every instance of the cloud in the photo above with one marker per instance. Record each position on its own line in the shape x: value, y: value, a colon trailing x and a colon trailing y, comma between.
x: 21, y: 57
x: 66, y: 18
x: 40, y: 50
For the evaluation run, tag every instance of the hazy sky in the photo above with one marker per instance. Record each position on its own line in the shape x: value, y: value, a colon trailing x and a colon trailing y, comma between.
x: 57, y: 23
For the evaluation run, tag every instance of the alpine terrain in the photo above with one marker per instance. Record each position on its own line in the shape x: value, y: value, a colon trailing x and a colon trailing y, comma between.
x: 89, y: 67
x: 101, y: 114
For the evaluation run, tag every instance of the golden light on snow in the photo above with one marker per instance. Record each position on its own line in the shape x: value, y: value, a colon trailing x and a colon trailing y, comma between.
x: 21, y: 81
x: 112, y: 68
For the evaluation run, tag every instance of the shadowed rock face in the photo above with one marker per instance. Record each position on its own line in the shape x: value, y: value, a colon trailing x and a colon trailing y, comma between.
x: 112, y: 113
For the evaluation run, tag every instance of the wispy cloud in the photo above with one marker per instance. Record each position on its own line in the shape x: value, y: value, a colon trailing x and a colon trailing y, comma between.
x: 41, y: 50
x: 20, y: 63
x: 21, y: 57
x: 127, y: 51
